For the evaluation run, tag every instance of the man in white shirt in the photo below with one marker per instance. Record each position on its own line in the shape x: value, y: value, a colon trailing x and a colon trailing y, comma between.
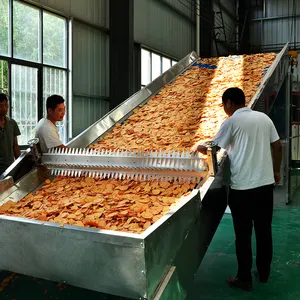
x: 250, y: 139
x: 46, y: 130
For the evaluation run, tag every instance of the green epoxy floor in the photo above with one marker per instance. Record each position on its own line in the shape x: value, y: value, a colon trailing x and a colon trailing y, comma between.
x: 220, y: 262
x: 209, y: 284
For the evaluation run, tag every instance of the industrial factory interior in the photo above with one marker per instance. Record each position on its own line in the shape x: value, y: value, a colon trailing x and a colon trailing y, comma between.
x: 149, y: 149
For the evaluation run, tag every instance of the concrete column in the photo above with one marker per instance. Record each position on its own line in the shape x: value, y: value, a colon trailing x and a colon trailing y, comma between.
x: 121, y: 51
x: 206, y: 27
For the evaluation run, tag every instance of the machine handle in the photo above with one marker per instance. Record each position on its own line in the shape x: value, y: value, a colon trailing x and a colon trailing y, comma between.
x: 210, y: 144
x: 212, y: 157
x: 33, y: 142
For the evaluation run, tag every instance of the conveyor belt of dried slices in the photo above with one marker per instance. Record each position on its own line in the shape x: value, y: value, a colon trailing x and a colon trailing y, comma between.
x: 142, y: 163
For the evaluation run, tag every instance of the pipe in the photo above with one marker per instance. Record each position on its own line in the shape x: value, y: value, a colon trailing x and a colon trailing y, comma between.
x: 275, y: 18
x: 70, y: 82
x: 198, y: 27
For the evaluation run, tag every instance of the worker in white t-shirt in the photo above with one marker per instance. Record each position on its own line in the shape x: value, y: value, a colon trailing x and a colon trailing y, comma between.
x: 46, y: 130
x: 254, y: 152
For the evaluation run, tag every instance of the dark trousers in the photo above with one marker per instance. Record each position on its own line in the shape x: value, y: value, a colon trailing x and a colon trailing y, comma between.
x: 248, y: 208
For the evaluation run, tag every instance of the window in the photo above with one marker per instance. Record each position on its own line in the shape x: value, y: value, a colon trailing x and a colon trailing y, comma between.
x: 3, y: 76
x: 55, y: 82
x: 166, y: 64
x: 153, y: 65
x: 146, y: 67
x: 4, y: 27
x: 35, y: 65
x: 156, y: 66
x: 26, y: 32
x: 24, y: 91
x: 54, y: 40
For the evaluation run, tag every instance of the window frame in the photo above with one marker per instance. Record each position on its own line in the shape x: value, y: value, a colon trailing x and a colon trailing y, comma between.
x: 162, y: 55
x: 38, y: 65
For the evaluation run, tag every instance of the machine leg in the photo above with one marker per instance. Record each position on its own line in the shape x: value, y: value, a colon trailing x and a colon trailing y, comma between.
x: 164, y: 283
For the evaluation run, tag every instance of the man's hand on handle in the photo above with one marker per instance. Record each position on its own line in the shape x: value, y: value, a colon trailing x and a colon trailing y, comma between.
x: 198, y: 147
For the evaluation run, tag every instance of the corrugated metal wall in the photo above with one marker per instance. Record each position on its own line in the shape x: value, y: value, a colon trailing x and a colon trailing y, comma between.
x: 90, y: 76
x: 165, y: 30
x: 271, y: 27
x: 92, y: 11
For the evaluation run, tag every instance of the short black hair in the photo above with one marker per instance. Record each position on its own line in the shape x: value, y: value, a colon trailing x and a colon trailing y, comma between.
x: 3, y: 97
x: 53, y: 101
x: 235, y: 95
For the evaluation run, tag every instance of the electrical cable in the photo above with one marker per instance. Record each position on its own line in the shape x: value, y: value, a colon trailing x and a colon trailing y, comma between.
x: 205, y: 18
x: 291, y: 31
x: 229, y: 28
x: 225, y: 25
x: 215, y: 21
x: 293, y: 25
x: 198, y: 6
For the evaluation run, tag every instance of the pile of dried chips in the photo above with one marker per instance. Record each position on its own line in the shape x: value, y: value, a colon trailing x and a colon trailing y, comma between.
x: 189, y: 109
x: 184, y: 112
x: 122, y: 205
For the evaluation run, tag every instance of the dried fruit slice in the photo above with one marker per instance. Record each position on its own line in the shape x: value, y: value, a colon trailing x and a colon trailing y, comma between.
x: 147, y: 225
x: 147, y: 215
x: 156, y: 192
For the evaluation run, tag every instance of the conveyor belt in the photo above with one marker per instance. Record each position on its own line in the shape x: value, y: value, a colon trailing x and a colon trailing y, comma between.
x: 126, y: 264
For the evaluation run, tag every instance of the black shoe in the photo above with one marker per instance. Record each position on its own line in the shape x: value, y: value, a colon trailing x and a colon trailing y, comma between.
x: 262, y: 280
x: 243, y: 285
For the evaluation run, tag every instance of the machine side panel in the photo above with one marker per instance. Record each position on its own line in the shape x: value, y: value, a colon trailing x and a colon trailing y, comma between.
x: 163, y: 244
x: 109, y: 264
x: 265, y: 97
x: 26, y: 185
